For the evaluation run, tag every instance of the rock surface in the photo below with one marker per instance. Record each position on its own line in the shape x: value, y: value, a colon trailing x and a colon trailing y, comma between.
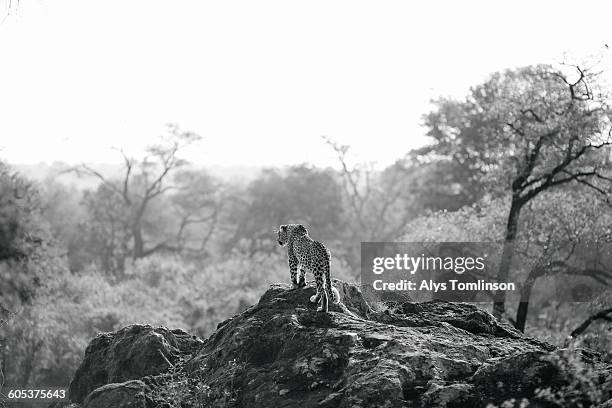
x: 130, y: 394
x: 128, y: 354
x: 282, y: 353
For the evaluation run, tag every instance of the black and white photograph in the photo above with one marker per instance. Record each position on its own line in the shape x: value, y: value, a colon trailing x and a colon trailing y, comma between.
x: 322, y: 204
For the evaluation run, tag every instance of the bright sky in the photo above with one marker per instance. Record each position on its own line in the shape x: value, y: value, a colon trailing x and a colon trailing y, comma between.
x: 260, y: 80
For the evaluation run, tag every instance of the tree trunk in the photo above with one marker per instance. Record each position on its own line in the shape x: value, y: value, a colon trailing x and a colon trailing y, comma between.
x: 499, y: 305
x: 523, y: 308
x: 138, y: 249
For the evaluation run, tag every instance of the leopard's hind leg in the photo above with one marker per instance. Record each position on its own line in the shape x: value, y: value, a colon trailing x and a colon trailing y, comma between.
x: 321, y: 294
x: 324, y: 306
x: 293, y: 269
x: 318, y: 274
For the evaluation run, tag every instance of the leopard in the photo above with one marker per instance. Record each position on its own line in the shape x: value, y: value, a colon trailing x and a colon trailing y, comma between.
x: 307, y: 255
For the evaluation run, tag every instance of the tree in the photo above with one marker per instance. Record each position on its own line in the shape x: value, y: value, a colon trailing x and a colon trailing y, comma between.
x: 119, y: 207
x: 562, y: 232
x: 605, y: 314
x: 29, y: 260
x: 377, y: 204
x: 196, y: 206
x: 298, y: 194
x: 553, y: 232
x: 62, y: 209
x: 454, y: 167
x: 23, y: 241
x: 526, y: 131
x: 107, y: 236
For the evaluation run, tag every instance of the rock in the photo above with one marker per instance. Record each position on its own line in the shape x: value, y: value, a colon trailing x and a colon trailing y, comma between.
x: 130, y: 394
x: 130, y: 353
x: 282, y: 353
x: 519, y: 374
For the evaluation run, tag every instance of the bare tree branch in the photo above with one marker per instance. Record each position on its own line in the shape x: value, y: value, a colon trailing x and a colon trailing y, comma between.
x: 603, y: 314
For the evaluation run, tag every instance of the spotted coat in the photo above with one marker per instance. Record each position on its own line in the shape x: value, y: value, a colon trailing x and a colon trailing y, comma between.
x: 306, y: 255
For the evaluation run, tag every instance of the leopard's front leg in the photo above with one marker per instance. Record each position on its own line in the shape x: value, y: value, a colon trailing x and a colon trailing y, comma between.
x: 301, y: 276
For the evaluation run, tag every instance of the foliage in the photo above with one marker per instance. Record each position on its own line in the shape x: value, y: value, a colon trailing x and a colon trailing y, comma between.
x: 519, y: 126
x: 63, y: 212
x: 299, y: 194
x: 555, y: 232
x: 26, y: 248
x: 553, y: 322
x: 582, y: 386
x: 525, y: 131
x: 479, y: 222
x: 19, y: 206
x: 29, y: 259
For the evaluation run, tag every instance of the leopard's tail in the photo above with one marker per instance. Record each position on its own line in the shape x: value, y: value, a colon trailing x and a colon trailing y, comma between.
x: 332, y: 293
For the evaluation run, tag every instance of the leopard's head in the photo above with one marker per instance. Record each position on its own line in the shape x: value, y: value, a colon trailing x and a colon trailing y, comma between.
x: 288, y: 232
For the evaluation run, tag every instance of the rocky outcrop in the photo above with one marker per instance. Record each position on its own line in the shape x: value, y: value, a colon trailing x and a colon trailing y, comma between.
x: 282, y: 353
x: 128, y: 354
